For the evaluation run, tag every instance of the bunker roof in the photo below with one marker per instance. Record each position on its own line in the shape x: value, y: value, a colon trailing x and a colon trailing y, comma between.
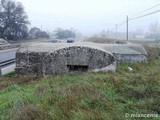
x: 111, y: 48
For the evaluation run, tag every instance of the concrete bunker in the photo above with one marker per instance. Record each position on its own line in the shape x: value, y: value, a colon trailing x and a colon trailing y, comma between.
x: 39, y: 59
x: 127, y: 53
x: 60, y: 59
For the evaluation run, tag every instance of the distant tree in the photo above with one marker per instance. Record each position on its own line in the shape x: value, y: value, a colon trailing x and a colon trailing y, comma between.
x: 61, y: 34
x: 33, y: 31
x: 37, y: 33
x: 154, y: 31
x: 103, y: 33
x: 42, y: 34
x: 13, y: 20
x: 154, y: 28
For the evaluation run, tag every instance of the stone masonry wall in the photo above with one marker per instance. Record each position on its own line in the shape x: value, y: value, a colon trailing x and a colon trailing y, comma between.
x: 57, y: 62
x: 130, y: 58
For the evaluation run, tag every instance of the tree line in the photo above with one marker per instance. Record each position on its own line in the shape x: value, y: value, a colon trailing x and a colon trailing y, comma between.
x: 14, y: 24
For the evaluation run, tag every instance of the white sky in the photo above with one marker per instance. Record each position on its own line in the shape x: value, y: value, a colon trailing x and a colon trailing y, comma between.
x: 88, y: 16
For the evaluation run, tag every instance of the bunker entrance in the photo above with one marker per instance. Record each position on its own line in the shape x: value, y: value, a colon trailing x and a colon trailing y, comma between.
x: 77, y: 68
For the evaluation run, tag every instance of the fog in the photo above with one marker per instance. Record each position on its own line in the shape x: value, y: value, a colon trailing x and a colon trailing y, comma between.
x: 89, y: 16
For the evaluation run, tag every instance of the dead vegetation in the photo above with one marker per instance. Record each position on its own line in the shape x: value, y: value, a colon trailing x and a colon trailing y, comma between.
x: 99, y: 40
x: 23, y: 110
x: 8, y: 80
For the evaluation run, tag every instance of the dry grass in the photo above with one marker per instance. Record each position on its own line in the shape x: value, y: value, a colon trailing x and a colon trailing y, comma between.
x: 23, y: 110
x: 99, y: 40
x: 78, y: 97
x: 17, y: 80
x: 153, y: 52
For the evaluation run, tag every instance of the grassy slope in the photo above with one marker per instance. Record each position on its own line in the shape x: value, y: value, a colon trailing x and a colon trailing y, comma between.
x: 103, y: 96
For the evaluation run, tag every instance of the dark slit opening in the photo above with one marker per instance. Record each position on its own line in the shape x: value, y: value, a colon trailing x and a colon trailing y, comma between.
x: 77, y: 68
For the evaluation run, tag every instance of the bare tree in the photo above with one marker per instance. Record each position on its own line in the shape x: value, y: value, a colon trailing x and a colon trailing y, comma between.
x: 13, y: 19
x: 154, y: 28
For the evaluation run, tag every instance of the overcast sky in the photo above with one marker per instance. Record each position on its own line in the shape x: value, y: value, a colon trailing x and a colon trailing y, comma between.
x: 88, y: 16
